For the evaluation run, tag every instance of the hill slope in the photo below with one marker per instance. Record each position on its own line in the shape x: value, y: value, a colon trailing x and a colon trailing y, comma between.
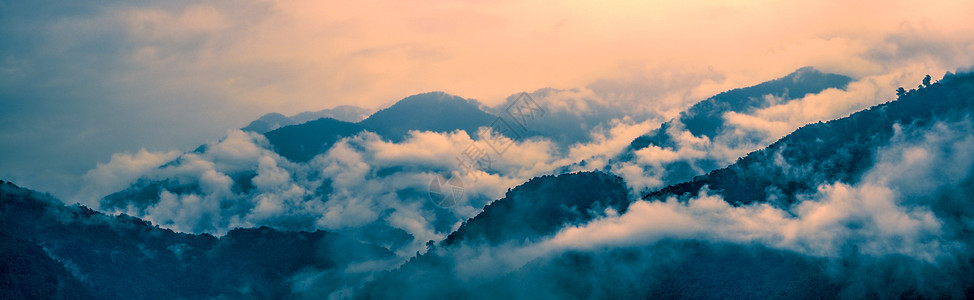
x: 302, y: 142
x: 838, y: 150
x: 541, y: 206
x: 706, y: 119
x: 127, y: 258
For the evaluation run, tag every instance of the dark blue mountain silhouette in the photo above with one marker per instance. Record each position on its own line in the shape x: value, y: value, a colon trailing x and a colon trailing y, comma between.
x: 435, y: 111
x: 302, y: 142
x: 122, y: 257
x: 706, y: 118
x: 29, y: 273
x: 271, y: 121
x: 267, y: 123
x: 541, y: 206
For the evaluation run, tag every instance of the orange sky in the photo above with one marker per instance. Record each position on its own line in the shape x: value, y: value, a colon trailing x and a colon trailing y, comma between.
x: 291, y: 56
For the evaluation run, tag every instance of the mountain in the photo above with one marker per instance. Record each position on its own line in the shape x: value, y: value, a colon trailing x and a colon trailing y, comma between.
x: 298, y: 144
x: 29, y: 273
x: 435, y: 111
x: 346, y: 113
x: 245, y: 179
x: 706, y: 118
x: 302, y: 142
x: 510, y: 248
x: 544, y: 205
x: 541, y: 206
x: 271, y: 121
x: 471, y: 262
x: 268, y: 122
x: 531, y: 211
x: 838, y: 150
x: 121, y: 257
x: 669, y: 269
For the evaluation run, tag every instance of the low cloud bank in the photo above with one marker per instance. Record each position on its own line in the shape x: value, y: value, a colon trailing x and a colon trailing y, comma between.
x: 901, y: 216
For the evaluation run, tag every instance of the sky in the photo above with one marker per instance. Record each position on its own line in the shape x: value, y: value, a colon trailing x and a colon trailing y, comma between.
x: 83, y: 80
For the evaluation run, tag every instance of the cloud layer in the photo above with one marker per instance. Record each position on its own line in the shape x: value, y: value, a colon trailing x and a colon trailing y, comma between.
x: 364, y: 181
x: 902, y: 220
x: 896, y: 209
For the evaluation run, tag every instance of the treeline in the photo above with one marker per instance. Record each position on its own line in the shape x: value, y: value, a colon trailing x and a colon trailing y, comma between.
x: 838, y: 150
x: 123, y: 257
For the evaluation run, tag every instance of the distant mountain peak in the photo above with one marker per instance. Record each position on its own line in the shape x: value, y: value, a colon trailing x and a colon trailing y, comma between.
x: 433, y: 111
x: 272, y: 121
x: 432, y: 98
x: 267, y: 123
x: 806, y: 69
x: 807, y: 73
x: 272, y: 117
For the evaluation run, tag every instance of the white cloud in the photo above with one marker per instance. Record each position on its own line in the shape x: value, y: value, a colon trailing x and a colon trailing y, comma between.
x: 776, y: 121
x: 118, y: 173
x: 889, y: 212
x: 609, y: 141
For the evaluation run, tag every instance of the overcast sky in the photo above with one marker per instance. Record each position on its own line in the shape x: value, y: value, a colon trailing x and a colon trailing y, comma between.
x: 81, y: 80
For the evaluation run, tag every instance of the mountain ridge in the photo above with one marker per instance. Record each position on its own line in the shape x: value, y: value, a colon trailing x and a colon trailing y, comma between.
x: 126, y: 257
x: 878, y: 122
x: 272, y: 121
x: 705, y: 119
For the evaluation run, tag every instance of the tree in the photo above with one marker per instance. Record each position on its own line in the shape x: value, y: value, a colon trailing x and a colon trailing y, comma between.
x: 926, y: 80
x: 900, y: 91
